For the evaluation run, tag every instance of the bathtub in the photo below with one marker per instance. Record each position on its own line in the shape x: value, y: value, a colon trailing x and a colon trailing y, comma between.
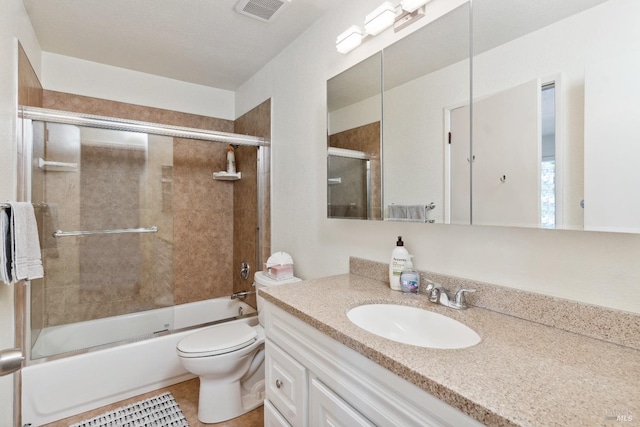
x: 60, y: 388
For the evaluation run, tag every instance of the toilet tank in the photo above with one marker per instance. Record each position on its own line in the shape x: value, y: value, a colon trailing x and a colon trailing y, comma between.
x: 261, y: 280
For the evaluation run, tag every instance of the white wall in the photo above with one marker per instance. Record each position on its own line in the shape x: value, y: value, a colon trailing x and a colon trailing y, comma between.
x: 14, y: 26
x: 80, y: 77
x: 598, y: 268
x: 352, y: 116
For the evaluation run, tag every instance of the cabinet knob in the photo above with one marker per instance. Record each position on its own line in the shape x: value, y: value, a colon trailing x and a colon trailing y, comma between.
x: 278, y: 383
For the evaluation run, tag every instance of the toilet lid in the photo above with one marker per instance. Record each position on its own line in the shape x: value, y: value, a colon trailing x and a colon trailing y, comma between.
x: 217, y: 339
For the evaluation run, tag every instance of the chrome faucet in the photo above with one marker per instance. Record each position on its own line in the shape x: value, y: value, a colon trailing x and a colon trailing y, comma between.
x: 438, y: 294
x: 242, y: 295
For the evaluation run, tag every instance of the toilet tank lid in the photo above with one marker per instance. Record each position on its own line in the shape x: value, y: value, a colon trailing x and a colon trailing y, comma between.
x: 218, y: 339
x: 261, y: 278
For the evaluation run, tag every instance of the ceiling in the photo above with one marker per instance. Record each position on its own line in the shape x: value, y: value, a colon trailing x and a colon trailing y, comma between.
x: 199, y: 41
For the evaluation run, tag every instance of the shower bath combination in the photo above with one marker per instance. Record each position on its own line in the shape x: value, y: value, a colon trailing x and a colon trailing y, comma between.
x: 112, y: 199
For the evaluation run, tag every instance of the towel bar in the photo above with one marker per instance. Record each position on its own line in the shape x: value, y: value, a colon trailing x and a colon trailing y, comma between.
x: 4, y: 205
x: 60, y: 233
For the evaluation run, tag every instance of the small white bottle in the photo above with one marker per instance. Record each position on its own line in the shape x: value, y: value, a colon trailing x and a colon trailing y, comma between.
x: 399, y: 258
x: 409, y: 278
x: 231, y: 160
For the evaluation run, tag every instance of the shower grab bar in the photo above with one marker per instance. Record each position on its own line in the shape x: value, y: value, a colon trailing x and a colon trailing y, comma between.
x: 44, y: 164
x: 60, y: 233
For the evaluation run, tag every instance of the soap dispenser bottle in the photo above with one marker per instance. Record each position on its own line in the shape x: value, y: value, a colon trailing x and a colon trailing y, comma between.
x: 399, y: 258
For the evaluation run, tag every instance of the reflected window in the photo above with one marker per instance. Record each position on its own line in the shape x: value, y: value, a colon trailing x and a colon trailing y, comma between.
x: 548, y: 160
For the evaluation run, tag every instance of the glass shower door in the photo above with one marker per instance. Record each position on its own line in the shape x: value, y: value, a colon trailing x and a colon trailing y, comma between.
x: 106, y: 226
x: 348, y: 187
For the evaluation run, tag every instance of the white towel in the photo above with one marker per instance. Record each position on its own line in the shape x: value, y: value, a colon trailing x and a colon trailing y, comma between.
x: 397, y: 212
x: 23, y: 230
x: 407, y: 213
x: 5, y: 247
x: 416, y: 212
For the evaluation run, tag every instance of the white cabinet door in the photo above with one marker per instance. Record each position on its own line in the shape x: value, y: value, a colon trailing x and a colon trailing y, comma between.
x: 273, y: 418
x: 327, y: 409
x: 286, y: 384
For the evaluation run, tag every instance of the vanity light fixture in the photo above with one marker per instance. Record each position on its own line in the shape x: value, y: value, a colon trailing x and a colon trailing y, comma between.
x: 404, y: 19
x: 412, y: 5
x: 349, y: 40
x: 383, y: 17
x: 380, y: 19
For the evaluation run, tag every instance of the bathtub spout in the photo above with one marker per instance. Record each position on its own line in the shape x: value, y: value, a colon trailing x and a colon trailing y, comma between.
x: 242, y: 295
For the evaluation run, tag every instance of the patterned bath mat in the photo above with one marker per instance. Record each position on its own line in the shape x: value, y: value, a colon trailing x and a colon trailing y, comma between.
x: 157, y: 411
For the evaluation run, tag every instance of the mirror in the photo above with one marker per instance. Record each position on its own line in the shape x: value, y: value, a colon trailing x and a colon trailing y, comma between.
x: 426, y: 76
x: 555, y: 115
x: 416, y: 87
x: 555, y: 106
x: 354, y: 117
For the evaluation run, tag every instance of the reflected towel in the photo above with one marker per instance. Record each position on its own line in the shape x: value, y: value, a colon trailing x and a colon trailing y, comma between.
x: 397, y: 212
x: 416, y: 212
x: 5, y: 247
x: 407, y: 213
x: 23, y: 230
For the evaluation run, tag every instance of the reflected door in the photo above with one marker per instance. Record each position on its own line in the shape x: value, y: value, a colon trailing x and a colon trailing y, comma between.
x: 506, y: 158
x: 459, y: 171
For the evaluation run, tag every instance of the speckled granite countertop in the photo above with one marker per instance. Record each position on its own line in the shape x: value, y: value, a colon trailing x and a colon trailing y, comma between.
x: 521, y: 373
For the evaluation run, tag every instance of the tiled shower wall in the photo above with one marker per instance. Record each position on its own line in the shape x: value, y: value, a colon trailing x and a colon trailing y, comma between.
x: 203, y: 219
x: 252, y: 245
x: 213, y: 221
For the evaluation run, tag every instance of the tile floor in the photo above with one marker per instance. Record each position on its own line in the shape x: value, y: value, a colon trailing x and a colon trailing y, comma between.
x: 186, y: 394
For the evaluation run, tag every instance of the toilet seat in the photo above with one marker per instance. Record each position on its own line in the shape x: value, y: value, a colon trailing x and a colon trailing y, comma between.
x: 219, y: 339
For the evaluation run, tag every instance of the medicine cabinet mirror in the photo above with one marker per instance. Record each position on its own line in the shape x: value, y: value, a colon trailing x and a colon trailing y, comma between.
x: 556, y: 96
x: 426, y: 76
x: 556, y: 100
x: 354, y: 110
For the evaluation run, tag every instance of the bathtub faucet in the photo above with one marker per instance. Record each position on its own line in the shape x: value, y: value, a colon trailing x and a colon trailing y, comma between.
x: 242, y: 295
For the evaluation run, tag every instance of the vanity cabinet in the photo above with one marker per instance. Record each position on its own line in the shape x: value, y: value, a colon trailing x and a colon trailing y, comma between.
x: 313, y: 380
x: 287, y: 385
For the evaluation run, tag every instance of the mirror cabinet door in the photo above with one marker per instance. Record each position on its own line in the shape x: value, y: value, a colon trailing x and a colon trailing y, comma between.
x: 556, y: 100
x: 426, y: 78
x: 354, y: 115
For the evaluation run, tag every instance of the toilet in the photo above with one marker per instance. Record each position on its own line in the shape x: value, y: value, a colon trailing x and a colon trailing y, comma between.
x: 229, y: 359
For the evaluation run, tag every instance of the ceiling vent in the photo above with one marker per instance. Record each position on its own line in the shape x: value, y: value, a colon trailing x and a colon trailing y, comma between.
x: 262, y: 10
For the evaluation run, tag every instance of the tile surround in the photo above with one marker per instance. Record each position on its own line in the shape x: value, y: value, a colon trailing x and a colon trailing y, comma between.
x: 256, y: 122
x: 203, y: 222
x: 615, y: 326
x: 103, y: 107
x: 207, y: 217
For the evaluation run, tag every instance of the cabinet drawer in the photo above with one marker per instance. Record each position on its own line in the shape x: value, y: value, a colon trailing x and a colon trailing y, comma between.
x: 273, y: 418
x: 328, y: 409
x: 286, y: 385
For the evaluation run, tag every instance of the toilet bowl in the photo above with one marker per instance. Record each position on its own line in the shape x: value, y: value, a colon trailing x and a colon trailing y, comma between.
x: 229, y: 359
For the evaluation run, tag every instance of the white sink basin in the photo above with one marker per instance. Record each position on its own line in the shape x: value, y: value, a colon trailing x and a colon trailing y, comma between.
x: 415, y: 326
